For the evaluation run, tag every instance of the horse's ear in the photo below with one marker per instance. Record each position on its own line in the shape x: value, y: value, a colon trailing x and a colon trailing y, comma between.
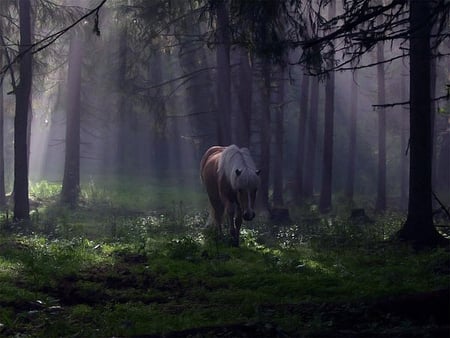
x: 238, y: 172
x: 258, y: 171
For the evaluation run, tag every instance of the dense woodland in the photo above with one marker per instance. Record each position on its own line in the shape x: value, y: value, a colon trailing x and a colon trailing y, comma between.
x: 320, y: 93
x: 343, y: 105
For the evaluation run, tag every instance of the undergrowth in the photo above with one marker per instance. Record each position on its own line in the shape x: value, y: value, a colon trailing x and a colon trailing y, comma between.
x: 107, y: 270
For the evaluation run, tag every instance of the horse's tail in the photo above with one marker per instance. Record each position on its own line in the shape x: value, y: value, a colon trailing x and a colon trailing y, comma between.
x: 211, y: 151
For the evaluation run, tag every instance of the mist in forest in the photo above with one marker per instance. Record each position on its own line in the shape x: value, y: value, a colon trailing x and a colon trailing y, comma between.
x: 147, y: 83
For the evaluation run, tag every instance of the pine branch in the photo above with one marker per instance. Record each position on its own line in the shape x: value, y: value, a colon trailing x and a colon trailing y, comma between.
x: 47, y: 41
x: 385, y: 105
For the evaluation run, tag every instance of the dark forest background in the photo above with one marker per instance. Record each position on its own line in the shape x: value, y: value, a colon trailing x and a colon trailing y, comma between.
x: 321, y: 92
x: 106, y: 108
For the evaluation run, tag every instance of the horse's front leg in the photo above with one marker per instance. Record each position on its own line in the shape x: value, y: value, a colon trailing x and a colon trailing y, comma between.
x: 237, y: 226
x: 231, y: 211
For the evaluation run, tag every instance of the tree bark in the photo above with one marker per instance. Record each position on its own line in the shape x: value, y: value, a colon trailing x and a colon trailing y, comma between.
x: 263, y: 192
x: 380, y: 204
x: 2, y: 132
x: 71, y: 180
x: 325, y: 204
x: 245, y: 95
x: 278, y: 176
x: 419, y: 228
x: 311, y: 142
x: 202, y: 123
x: 404, y: 145
x: 350, y: 184
x: 223, y: 79
x: 300, y: 159
x: 23, y: 91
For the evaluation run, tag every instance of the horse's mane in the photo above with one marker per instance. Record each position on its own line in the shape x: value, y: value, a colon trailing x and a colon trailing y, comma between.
x: 234, y: 158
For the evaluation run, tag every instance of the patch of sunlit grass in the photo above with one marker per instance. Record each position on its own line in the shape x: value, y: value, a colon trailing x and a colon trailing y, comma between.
x: 44, y: 190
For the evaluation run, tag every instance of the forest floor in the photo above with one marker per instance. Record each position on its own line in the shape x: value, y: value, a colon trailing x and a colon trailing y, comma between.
x: 96, y: 272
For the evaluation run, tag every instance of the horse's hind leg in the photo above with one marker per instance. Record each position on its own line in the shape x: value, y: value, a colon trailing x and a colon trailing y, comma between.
x: 237, y: 224
x: 217, y: 211
x: 234, y: 222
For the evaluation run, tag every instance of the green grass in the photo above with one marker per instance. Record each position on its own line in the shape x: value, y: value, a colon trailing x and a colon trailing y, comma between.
x: 179, y: 284
x: 92, y: 273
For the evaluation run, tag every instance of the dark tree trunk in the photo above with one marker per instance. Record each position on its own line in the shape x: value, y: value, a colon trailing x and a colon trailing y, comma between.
x: 300, y: 159
x: 71, y: 180
x: 23, y: 91
x: 350, y: 186
x: 265, y: 138
x: 327, y: 160
x: 223, y: 79
x: 2, y: 131
x: 157, y: 134
x: 433, y: 120
x: 419, y: 228
x: 312, y: 140
x: 123, y: 134
x: 2, y: 151
x: 278, y: 176
x: 200, y: 94
x: 327, y: 163
x: 404, y: 145
x: 245, y: 94
x: 380, y: 204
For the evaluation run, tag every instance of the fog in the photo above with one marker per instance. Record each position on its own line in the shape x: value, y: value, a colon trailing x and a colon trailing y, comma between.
x: 149, y: 106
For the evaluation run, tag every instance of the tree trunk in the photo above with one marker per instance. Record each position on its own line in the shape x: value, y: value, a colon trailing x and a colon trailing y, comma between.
x: 200, y: 101
x: 419, y: 228
x: 223, y: 79
x: 404, y: 146
x: 71, y: 180
x: 2, y: 132
x: 23, y: 91
x: 263, y: 192
x: 327, y: 163
x: 380, y: 204
x: 245, y: 94
x: 159, y: 152
x: 300, y: 159
x: 123, y: 128
x: 312, y: 139
x: 350, y: 186
x: 278, y: 176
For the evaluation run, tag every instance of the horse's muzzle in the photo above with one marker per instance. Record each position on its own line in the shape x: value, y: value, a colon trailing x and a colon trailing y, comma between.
x: 248, y: 215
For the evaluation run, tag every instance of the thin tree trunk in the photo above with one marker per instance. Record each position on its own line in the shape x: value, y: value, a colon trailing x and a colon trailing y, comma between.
x: 245, y: 94
x: 157, y: 135
x: 265, y: 139
x: 223, y: 79
x: 419, y: 227
x: 350, y: 186
x: 312, y: 139
x: 380, y: 204
x: 300, y: 159
x: 200, y: 100
x: 279, y: 144
x: 2, y: 131
x: 325, y: 204
x: 23, y: 91
x: 71, y: 180
x: 123, y: 125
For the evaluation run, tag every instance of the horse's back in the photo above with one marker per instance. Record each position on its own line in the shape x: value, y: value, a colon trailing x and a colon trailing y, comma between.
x: 209, y: 161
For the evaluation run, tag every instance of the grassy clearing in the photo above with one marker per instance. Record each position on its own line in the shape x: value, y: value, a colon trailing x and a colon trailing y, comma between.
x: 88, y: 273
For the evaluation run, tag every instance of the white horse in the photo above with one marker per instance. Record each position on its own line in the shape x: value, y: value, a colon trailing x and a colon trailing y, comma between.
x: 231, y: 180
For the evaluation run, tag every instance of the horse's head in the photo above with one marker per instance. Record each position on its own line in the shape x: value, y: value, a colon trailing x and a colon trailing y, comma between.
x: 247, y: 184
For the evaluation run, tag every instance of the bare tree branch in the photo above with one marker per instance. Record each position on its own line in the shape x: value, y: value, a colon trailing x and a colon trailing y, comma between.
x: 47, y: 41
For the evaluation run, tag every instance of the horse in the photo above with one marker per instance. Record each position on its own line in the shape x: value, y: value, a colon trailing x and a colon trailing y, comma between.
x: 231, y: 180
